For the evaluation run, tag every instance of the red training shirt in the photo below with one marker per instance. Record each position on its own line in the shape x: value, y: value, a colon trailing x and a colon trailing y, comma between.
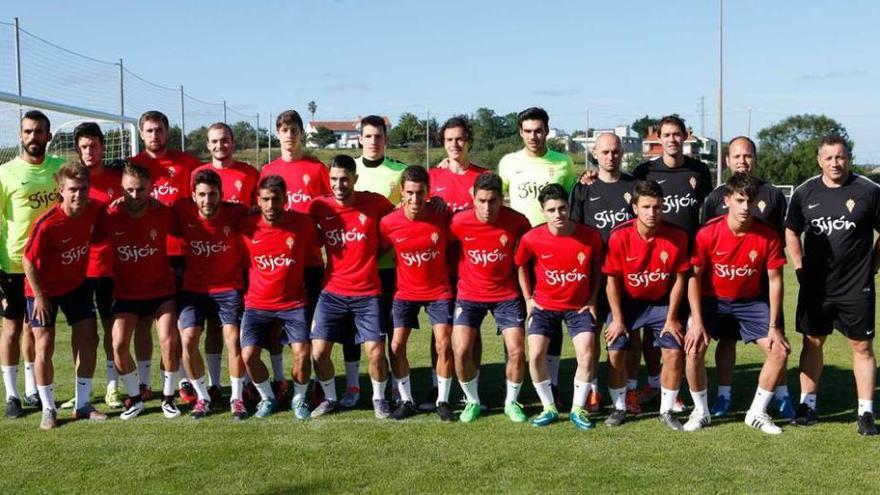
x: 454, y: 189
x: 104, y: 187
x: 239, y: 182
x: 420, y: 251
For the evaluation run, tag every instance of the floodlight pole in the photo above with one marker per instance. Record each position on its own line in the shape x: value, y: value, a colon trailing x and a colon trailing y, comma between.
x: 720, y: 90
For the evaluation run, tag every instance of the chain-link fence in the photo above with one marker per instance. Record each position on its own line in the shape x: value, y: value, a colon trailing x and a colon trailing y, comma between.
x: 71, y: 87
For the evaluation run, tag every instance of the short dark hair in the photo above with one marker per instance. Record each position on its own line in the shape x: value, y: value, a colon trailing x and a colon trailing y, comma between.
x: 551, y: 191
x: 457, y: 122
x: 273, y: 182
x: 88, y: 130
x: 489, y: 181
x: 741, y: 183
x: 345, y: 162
x: 221, y: 125
x: 135, y: 171
x: 647, y: 188
x: 533, y: 113
x: 209, y: 177
x: 38, y: 116
x: 415, y: 173
x: 375, y: 121
x: 289, y: 117
x: 72, y: 170
x: 748, y: 139
x: 833, y: 140
x: 155, y: 116
x: 673, y: 120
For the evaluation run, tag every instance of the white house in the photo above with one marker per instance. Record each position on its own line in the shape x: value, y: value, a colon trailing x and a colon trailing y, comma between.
x: 346, y: 131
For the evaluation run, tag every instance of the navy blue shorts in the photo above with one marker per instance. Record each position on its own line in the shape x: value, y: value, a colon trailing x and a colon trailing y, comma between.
x: 406, y: 313
x: 549, y: 323
x: 508, y: 314
x: 751, y: 318
x: 102, y: 294
x: 76, y: 305
x: 140, y: 307
x: 197, y: 307
x: 648, y: 315
x: 256, y: 326
x: 334, y: 313
x: 314, y: 279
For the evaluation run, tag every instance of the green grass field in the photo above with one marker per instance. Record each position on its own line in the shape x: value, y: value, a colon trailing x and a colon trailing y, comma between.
x: 352, y: 452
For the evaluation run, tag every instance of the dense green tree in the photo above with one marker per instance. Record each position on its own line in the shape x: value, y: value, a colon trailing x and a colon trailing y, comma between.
x: 787, y: 150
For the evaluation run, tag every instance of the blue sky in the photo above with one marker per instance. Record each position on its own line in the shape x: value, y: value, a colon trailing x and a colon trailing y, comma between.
x: 619, y: 59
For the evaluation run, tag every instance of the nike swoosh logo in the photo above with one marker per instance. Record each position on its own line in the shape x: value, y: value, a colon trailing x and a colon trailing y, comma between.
x: 439, y: 189
x: 25, y: 183
x: 329, y: 217
x: 401, y: 239
x: 631, y: 259
x: 191, y: 225
x: 662, y: 181
x: 64, y: 241
x: 256, y: 241
x: 469, y: 238
x: 810, y: 207
x: 596, y: 198
x: 119, y: 233
x: 546, y: 256
x: 720, y: 253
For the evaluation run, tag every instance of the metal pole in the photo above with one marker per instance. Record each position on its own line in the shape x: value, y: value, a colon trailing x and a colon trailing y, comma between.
x: 749, y: 132
x: 257, y: 161
x: 720, y: 88
x: 182, y: 122
x: 587, y: 141
x: 427, y: 137
x: 269, y: 134
x: 18, y: 74
x: 224, y: 112
x: 122, y: 108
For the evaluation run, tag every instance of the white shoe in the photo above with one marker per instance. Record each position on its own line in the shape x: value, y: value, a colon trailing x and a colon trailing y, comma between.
x: 697, y: 421
x: 170, y: 410
x: 132, y: 411
x: 763, y: 422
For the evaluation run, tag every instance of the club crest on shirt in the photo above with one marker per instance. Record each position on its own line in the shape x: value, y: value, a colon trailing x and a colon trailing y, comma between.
x: 289, y: 242
x: 226, y: 230
x: 153, y: 234
x: 503, y: 239
x: 171, y: 172
x: 693, y: 181
x: 435, y: 237
x: 306, y: 179
x: 664, y: 256
x: 752, y: 255
x: 761, y: 206
x: 238, y: 185
x: 362, y: 219
x: 627, y: 197
x: 109, y: 192
x: 581, y: 257
x: 850, y: 204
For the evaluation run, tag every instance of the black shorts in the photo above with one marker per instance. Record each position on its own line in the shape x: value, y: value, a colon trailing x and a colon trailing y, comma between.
x: 102, y: 294
x: 14, y: 305
x: 854, y: 317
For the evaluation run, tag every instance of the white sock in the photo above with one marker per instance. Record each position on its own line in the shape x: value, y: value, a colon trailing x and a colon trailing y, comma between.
x: 47, y: 396
x: 545, y: 393
x: 201, y: 388
x: 278, y: 367
x: 443, y: 387
x: 404, y: 388
x: 581, y: 391
x: 299, y: 391
x: 618, y: 398
x: 809, y: 400
x: 654, y: 381
x: 30, y: 379
x: 781, y: 392
x: 214, y: 362
x: 470, y: 390
x: 594, y: 385
x: 761, y: 400
x: 144, y: 373
x: 352, y: 374
x: 112, y: 376
x: 265, y: 390
x: 329, y: 388
x: 168, y: 383
x: 667, y: 399
x: 866, y: 405
x: 553, y: 369
x: 83, y: 392
x: 379, y: 389
x: 512, y: 392
x: 10, y: 381
x: 724, y: 391
x: 237, y: 385
x: 632, y: 384
x: 130, y: 382
x: 701, y: 401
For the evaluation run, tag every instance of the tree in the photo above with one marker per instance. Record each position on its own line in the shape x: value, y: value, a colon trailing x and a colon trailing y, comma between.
x: 196, y: 142
x: 323, y: 137
x: 313, y: 107
x: 409, y: 129
x: 787, y: 150
x: 245, y: 135
x: 641, y: 125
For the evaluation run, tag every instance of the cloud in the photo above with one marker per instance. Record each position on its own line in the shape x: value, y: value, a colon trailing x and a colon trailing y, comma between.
x: 835, y: 74
x: 352, y: 86
x: 556, y: 92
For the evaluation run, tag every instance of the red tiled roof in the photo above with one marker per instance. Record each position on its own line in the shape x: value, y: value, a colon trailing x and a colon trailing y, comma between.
x: 342, y: 125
